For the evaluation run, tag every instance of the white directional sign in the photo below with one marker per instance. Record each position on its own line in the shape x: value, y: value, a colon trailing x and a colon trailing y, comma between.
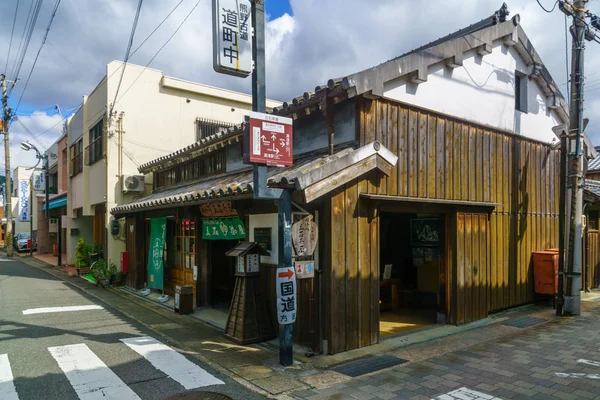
x: 286, y: 295
x: 24, y: 205
x: 232, y: 37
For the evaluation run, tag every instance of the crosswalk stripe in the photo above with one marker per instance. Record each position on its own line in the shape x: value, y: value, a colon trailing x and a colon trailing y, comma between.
x: 7, y: 386
x: 167, y: 360
x: 89, y: 376
x: 44, y: 310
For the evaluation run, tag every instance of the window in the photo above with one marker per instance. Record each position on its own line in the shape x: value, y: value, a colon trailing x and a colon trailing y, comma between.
x: 96, y: 148
x: 206, y: 128
x: 520, y: 92
x: 185, y: 234
x: 211, y: 164
x: 76, y: 165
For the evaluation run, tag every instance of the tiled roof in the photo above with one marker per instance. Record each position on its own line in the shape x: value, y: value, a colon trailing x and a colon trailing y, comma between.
x: 592, y: 187
x: 594, y: 164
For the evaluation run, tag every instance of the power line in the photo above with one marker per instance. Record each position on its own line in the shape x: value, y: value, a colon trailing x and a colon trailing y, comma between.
x: 135, y: 21
x: 12, y: 32
x: 22, y: 38
x: 36, y: 13
x: 38, y: 53
x: 159, y: 50
x: 548, y: 11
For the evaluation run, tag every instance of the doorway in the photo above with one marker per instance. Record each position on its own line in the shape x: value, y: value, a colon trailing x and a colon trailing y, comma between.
x: 411, y: 259
x: 222, y: 273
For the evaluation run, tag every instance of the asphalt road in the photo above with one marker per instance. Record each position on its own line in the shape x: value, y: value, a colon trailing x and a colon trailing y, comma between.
x: 64, y: 354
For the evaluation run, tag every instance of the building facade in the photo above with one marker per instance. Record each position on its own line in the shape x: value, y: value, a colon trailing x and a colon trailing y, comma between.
x: 113, y: 133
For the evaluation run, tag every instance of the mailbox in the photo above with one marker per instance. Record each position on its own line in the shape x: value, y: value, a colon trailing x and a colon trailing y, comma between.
x: 545, y: 272
x: 247, y: 258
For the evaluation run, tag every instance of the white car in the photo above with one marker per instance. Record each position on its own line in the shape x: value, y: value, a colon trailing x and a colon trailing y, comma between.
x: 21, y: 241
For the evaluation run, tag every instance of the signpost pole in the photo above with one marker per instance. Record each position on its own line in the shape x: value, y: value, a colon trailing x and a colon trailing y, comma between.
x: 259, y: 104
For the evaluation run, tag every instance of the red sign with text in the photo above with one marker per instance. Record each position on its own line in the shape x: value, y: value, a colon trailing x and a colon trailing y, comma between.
x: 270, y: 140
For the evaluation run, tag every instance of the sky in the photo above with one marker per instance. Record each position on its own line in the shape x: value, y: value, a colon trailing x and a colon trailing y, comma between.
x: 307, y: 43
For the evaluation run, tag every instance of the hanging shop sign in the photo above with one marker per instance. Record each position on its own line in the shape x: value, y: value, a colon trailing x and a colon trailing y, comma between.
x: 156, y: 267
x: 24, y: 203
x: 268, y: 140
x: 305, y: 235
x: 232, y: 37
x: 39, y: 181
x: 223, y: 228
x: 286, y: 295
x: 218, y: 209
x: 305, y: 269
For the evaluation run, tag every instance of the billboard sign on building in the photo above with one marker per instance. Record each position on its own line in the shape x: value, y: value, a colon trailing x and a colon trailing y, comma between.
x: 232, y: 37
x: 24, y: 205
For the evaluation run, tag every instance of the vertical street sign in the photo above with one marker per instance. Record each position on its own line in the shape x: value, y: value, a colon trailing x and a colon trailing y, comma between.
x: 232, y: 37
x: 286, y: 295
x: 270, y: 140
x: 39, y: 181
x: 24, y: 205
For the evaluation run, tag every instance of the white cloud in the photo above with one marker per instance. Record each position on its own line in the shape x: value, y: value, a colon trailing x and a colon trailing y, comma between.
x: 321, y: 40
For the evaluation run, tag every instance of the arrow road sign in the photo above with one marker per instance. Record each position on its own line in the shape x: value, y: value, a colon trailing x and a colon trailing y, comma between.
x: 286, y: 295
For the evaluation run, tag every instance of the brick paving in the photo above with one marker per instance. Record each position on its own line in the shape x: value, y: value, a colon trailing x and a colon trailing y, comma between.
x: 553, y: 360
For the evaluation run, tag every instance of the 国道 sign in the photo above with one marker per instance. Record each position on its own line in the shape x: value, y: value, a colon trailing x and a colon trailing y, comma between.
x: 270, y: 140
x: 286, y: 295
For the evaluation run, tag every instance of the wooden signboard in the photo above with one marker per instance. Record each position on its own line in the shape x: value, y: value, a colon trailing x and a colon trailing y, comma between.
x: 218, y: 209
x: 305, y: 235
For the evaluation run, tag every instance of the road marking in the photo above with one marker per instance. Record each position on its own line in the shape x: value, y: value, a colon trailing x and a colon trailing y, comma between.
x: 577, y: 375
x: 44, y: 310
x: 589, y: 362
x: 466, y: 394
x: 89, y: 376
x: 7, y: 387
x: 167, y: 360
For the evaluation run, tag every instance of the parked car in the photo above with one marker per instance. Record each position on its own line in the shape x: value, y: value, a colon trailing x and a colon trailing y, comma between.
x: 20, y: 242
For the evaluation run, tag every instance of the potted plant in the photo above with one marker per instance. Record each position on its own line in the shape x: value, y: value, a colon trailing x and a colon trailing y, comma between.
x: 82, y: 257
x: 113, y: 273
x: 101, y: 273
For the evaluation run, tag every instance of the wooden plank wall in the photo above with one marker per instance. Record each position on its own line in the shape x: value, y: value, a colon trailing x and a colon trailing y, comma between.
x: 592, y: 265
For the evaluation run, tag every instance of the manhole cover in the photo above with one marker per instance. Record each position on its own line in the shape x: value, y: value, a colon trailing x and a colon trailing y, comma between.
x: 199, y: 396
x: 523, y: 322
x: 367, y: 365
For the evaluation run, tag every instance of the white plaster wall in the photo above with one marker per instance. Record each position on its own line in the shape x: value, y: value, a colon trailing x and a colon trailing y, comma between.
x: 482, y: 91
x: 85, y: 226
x: 266, y: 221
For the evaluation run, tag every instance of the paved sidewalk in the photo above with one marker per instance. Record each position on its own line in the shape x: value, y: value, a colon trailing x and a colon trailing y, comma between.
x: 487, y: 357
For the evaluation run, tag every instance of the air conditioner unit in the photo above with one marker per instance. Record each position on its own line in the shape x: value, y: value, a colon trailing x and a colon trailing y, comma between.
x: 133, y: 183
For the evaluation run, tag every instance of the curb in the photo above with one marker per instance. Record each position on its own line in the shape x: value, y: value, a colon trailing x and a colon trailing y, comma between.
x: 189, y: 351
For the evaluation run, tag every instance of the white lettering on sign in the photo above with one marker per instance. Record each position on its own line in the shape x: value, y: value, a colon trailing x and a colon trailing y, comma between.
x: 269, y: 126
x: 39, y: 181
x: 24, y: 206
x: 232, y: 37
x: 286, y: 295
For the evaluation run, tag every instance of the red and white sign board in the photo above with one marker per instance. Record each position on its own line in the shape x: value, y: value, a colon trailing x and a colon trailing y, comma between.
x: 270, y: 140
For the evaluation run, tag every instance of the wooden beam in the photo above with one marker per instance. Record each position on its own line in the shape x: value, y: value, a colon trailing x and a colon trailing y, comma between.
x: 432, y: 201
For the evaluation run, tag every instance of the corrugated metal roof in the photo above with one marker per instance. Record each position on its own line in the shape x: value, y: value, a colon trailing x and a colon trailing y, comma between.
x: 232, y: 184
x: 594, y: 165
x: 592, y: 186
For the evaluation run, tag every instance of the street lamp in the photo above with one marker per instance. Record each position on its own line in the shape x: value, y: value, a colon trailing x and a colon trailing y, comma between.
x: 28, y: 146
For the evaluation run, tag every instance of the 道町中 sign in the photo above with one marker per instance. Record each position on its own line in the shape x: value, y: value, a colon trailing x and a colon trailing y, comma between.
x: 232, y: 37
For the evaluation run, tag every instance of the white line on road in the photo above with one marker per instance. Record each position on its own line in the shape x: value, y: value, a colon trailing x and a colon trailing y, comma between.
x: 89, y: 376
x: 577, y: 375
x: 589, y: 362
x: 167, y: 360
x: 44, y: 310
x: 7, y: 387
x: 466, y: 394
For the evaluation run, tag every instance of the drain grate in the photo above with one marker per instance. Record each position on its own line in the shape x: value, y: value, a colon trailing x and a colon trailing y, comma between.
x: 368, y: 365
x: 523, y: 322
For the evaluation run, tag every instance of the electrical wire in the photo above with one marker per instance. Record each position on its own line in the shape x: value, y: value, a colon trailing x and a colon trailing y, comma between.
x: 38, y: 53
x: 12, y: 32
x: 548, y: 11
x: 135, y: 21
x: 158, y: 52
x: 36, y: 13
x: 22, y: 38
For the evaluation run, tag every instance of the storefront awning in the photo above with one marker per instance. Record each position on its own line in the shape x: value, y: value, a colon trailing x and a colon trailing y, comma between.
x: 312, y: 175
x: 56, y: 203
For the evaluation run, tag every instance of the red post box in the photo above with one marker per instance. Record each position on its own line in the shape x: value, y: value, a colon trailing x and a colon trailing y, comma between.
x: 545, y: 272
x: 124, y: 261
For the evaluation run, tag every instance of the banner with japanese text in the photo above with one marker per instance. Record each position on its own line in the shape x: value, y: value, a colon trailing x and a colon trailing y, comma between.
x: 24, y: 193
x: 156, y: 267
x: 223, y: 228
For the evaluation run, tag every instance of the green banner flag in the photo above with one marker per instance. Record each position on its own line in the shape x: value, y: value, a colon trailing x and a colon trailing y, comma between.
x: 156, y: 267
x: 223, y: 228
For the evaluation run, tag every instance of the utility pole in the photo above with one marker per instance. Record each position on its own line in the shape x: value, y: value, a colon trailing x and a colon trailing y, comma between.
x: 6, y: 115
x: 572, y: 304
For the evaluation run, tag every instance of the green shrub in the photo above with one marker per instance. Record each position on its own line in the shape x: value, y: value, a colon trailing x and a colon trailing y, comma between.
x: 82, y: 254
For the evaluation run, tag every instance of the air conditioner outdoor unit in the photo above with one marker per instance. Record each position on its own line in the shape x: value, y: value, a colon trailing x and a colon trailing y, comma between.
x: 133, y: 183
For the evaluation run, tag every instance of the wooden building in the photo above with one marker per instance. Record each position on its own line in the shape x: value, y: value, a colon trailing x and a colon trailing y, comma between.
x: 431, y: 190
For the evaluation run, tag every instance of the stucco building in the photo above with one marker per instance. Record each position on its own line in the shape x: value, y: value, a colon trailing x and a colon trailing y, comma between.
x: 118, y: 128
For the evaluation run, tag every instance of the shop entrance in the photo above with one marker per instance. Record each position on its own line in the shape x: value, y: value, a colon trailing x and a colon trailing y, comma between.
x: 222, y: 273
x: 411, y: 258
